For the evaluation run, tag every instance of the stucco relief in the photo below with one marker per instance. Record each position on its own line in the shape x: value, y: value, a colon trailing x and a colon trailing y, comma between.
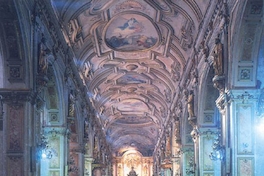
x: 73, y: 164
x: 52, y: 97
x: 55, y: 146
x: 207, y: 142
x: 132, y: 160
x: 248, y: 43
x: 245, y: 167
x: 129, y: 5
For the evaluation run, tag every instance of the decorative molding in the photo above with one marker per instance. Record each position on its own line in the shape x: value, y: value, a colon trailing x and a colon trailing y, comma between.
x: 190, y: 163
x: 195, y: 134
x: 195, y: 8
x: 75, y: 33
x: 244, y: 129
x: 54, y: 117
x: 245, y: 97
x: 187, y: 36
x: 260, y: 110
x: 72, y: 165
x: 15, y: 131
x: 15, y: 98
x: 222, y: 101
x: 15, y: 161
x: 16, y: 72
x: 245, y: 166
x: 55, y: 131
x: 218, y: 152
x: 209, y: 118
x: 209, y: 134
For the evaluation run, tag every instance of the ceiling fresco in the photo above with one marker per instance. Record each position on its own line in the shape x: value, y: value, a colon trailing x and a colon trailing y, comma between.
x: 130, y: 32
x: 131, y: 55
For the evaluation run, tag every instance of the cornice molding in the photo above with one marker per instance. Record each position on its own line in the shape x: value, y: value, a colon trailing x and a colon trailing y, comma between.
x: 15, y: 97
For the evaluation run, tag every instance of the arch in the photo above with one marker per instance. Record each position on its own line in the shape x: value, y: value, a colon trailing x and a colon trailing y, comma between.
x: 53, y: 119
x: 246, y: 43
x: 207, y: 96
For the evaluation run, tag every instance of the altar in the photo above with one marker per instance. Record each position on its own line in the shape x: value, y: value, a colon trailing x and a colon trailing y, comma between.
x: 132, y: 172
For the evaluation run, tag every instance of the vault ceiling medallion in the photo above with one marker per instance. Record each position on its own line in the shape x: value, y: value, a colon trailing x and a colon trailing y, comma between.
x: 131, y: 32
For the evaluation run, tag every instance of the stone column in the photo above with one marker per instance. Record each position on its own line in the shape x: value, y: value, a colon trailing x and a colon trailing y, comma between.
x: 223, y: 106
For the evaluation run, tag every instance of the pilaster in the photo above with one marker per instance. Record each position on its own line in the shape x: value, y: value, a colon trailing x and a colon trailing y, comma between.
x: 242, y: 137
x: 15, y: 148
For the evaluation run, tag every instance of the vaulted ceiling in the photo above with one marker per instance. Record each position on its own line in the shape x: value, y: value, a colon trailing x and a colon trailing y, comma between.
x: 131, y: 55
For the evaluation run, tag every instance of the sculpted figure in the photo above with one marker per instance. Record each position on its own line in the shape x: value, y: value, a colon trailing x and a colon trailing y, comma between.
x: 168, y: 146
x: 44, y: 53
x: 218, y: 58
x: 72, y: 100
x: 190, y: 104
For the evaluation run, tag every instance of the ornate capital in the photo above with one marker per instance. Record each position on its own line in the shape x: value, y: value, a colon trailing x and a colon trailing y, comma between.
x: 15, y: 98
x: 222, y: 101
x: 245, y: 97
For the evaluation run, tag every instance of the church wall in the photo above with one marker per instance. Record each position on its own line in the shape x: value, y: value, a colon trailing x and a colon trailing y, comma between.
x: 31, y: 108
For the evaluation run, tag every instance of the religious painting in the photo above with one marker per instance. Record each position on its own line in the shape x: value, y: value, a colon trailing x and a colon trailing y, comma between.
x: 132, y: 105
x: 132, y: 79
x: 134, y: 119
x: 131, y: 32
